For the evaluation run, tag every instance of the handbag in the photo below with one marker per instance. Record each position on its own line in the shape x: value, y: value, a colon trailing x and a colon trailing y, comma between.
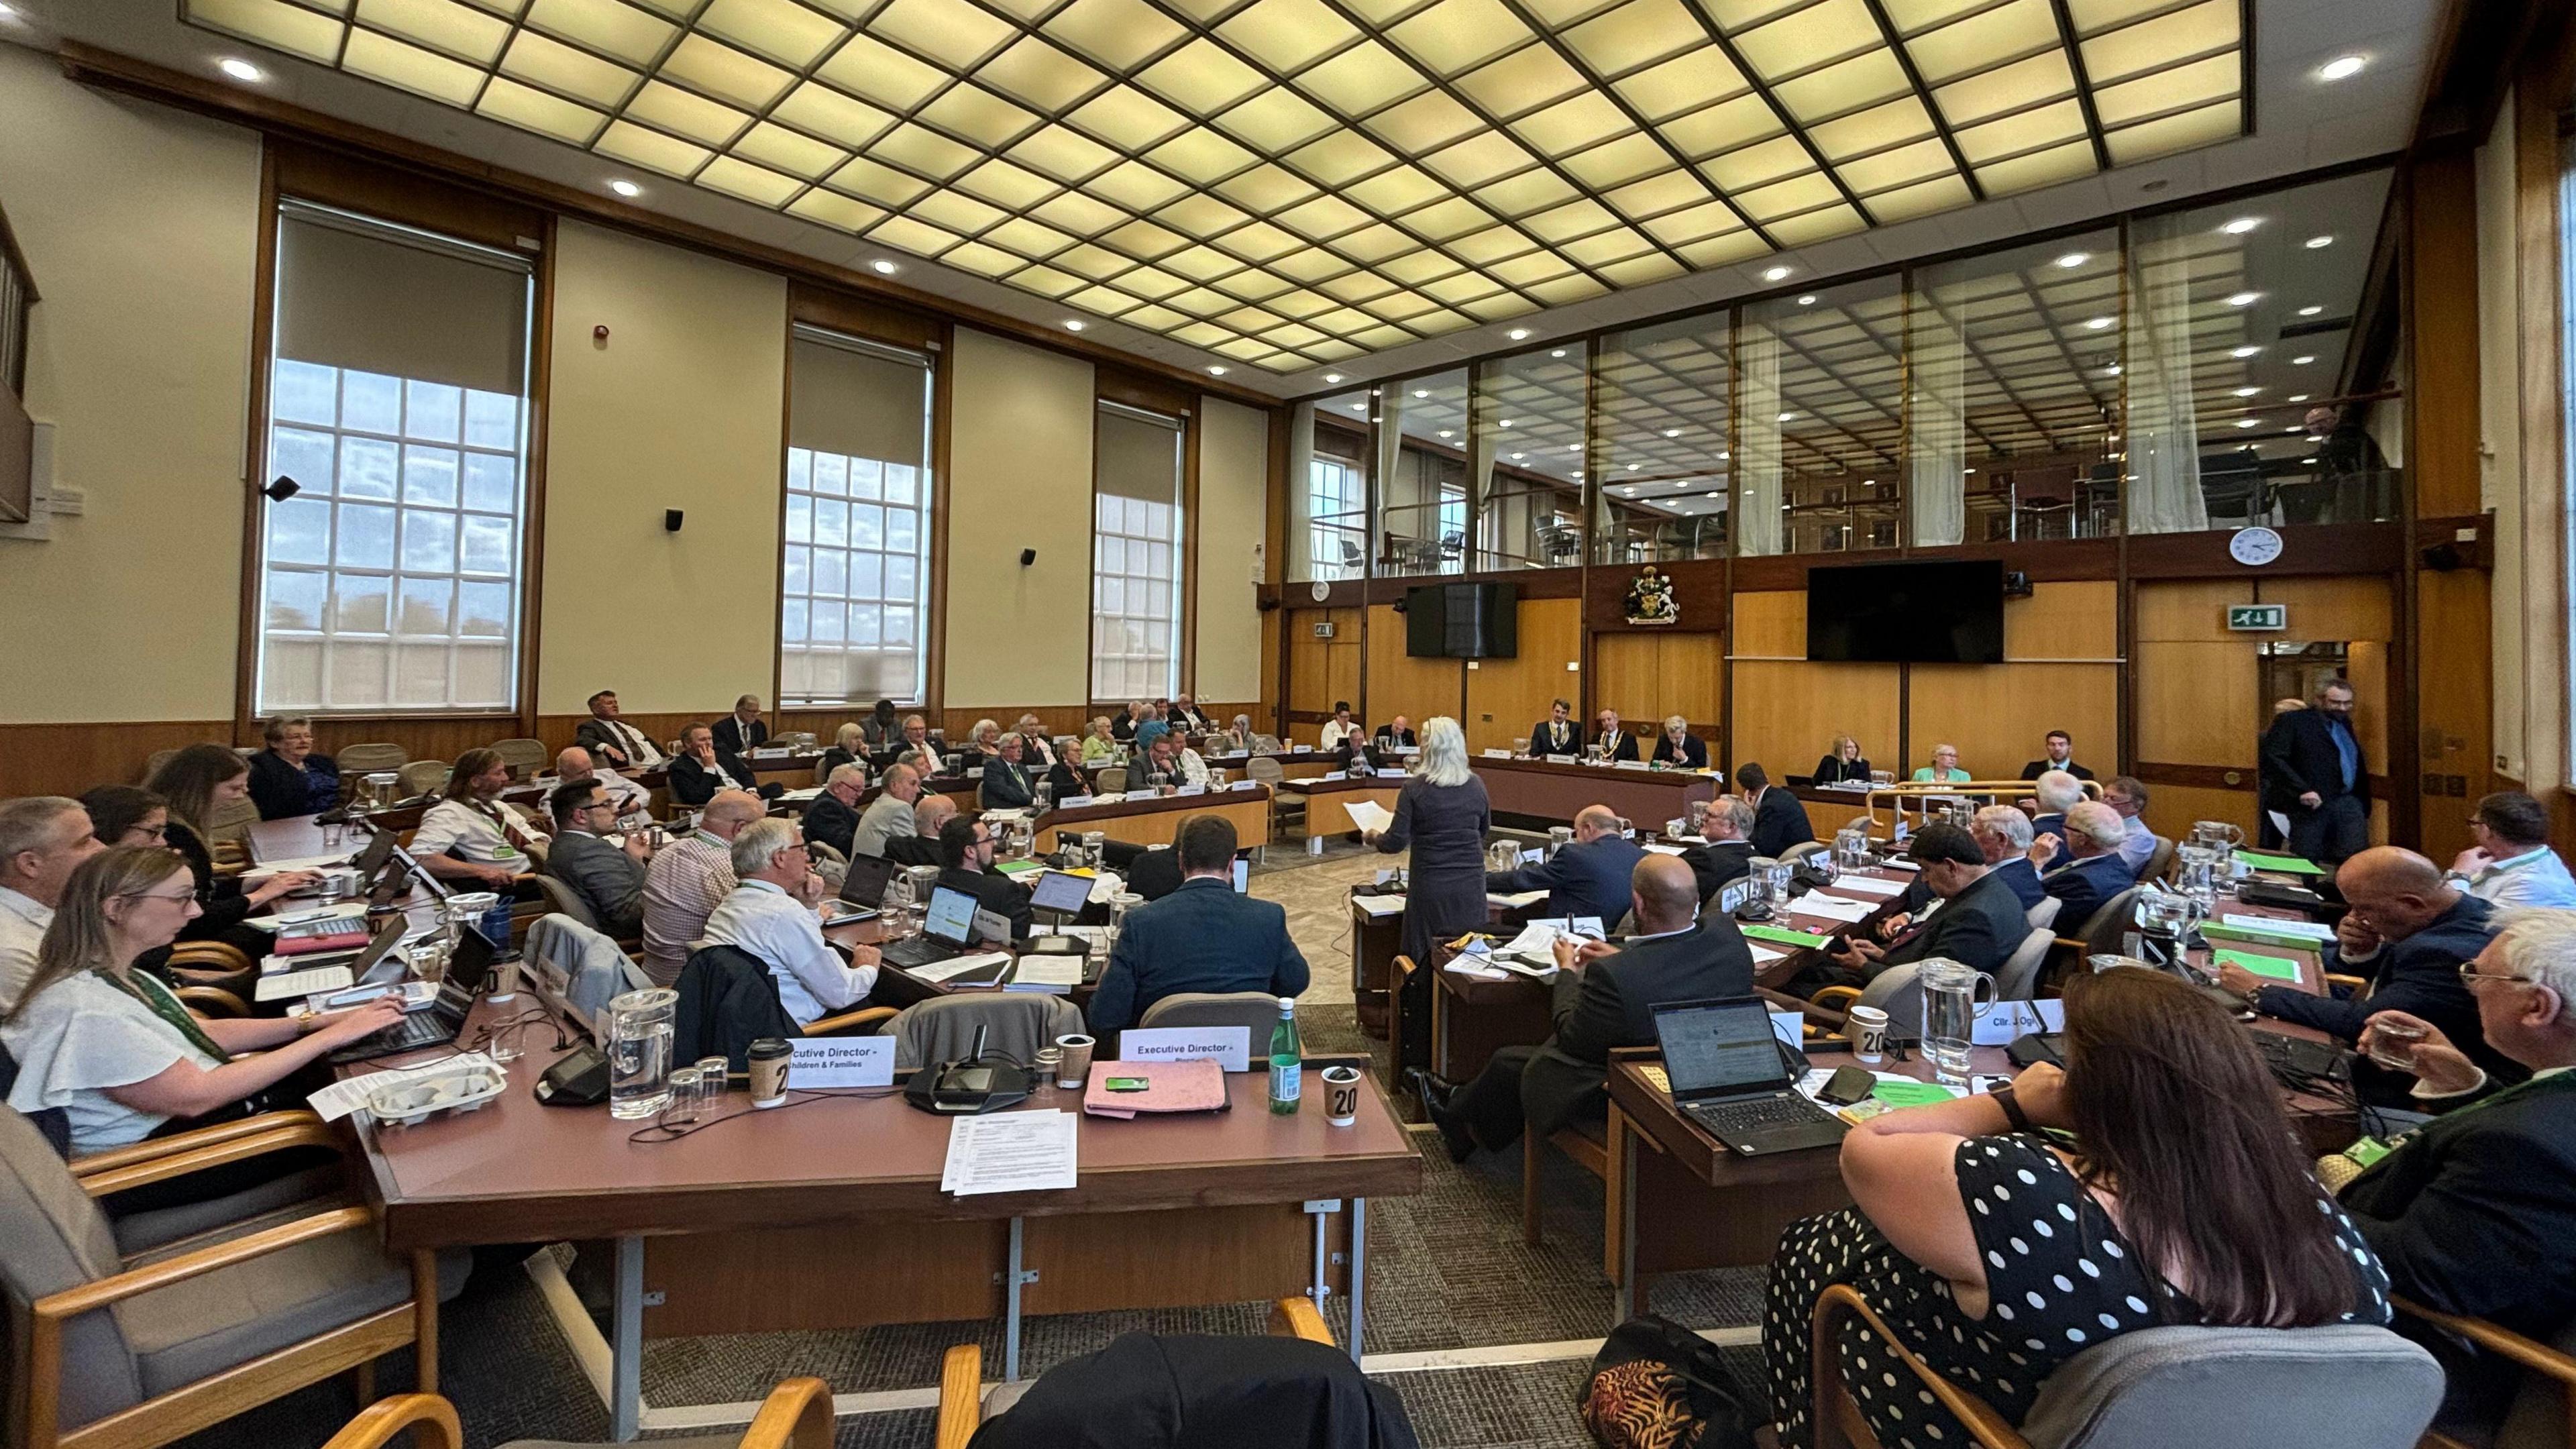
x: 1657, y: 1385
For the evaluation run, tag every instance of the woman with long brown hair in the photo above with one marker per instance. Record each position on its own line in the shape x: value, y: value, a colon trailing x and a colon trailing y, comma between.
x: 112, y: 1046
x: 2156, y: 1180
x: 194, y: 783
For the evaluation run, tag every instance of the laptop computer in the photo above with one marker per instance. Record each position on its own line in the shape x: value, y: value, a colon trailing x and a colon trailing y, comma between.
x: 467, y: 966
x: 1730, y: 1075
x: 1061, y: 893
x: 862, y: 890
x: 946, y: 929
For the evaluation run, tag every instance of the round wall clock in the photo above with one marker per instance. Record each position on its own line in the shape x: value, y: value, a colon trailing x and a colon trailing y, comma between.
x: 1320, y: 589
x: 2254, y: 547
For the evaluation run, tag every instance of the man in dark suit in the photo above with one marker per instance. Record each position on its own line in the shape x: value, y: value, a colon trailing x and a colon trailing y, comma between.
x: 700, y: 770
x: 2470, y: 1213
x: 1611, y: 742
x: 1678, y: 748
x: 1605, y: 998
x: 913, y: 747
x: 919, y: 845
x: 1779, y: 817
x: 742, y: 731
x: 1978, y: 922
x: 2315, y: 774
x: 2061, y: 756
x: 1728, y: 855
x: 2408, y: 930
x: 833, y: 817
x: 611, y: 740
x: 2056, y: 793
x: 1396, y: 734
x: 1556, y: 734
x: 1588, y: 876
x: 1185, y: 714
x: 1007, y: 784
x: 1201, y: 937
x: 966, y: 864
x: 2003, y: 836
x: 2092, y: 871
x: 608, y: 878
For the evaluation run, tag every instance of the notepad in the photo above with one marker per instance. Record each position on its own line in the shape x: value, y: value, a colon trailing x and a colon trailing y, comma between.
x: 1378, y: 908
x: 2277, y: 926
x: 2284, y: 864
x: 2279, y: 968
x: 1783, y: 935
x: 1195, y: 1085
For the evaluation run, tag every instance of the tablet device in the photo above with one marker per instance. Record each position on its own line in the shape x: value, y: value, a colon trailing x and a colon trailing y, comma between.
x: 1061, y: 892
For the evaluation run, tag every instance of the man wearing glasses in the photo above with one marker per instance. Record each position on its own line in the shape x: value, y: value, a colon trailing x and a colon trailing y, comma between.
x: 966, y: 864
x: 765, y: 917
x: 608, y: 878
x: 2470, y: 1212
x: 2408, y: 931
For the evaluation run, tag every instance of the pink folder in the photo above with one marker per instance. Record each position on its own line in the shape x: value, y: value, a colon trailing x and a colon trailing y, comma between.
x: 1194, y: 1086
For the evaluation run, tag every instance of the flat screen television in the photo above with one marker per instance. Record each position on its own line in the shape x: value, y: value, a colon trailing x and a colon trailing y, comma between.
x: 1462, y: 621
x: 1907, y: 613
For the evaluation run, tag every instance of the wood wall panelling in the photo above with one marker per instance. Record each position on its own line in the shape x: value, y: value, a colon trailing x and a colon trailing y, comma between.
x: 1505, y: 695
x: 2196, y: 702
x: 2071, y: 620
x: 1997, y: 714
x: 1769, y: 626
x: 1786, y: 712
x: 1646, y: 675
x: 1401, y: 684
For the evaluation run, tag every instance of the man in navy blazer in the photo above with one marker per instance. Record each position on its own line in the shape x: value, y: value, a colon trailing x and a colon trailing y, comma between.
x: 1557, y: 734
x: 2093, y: 871
x: 2409, y: 931
x: 1779, y: 818
x: 1587, y: 877
x: 1202, y: 937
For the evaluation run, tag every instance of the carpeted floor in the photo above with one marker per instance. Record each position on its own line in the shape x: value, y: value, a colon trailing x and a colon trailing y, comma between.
x: 1447, y: 1271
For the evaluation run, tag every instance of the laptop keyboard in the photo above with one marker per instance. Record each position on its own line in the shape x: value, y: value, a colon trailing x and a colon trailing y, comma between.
x: 1722, y: 1118
x: 917, y: 951
x: 416, y: 1030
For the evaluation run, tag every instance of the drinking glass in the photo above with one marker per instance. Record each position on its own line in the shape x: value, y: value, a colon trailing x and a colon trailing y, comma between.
x: 681, y: 1105
x: 1950, y: 1003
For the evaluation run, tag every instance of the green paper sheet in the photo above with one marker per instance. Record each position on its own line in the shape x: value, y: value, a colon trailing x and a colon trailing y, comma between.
x: 1783, y: 936
x: 1911, y: 1094
x: 2279, y: 968
x: 2257, y: 935
x: 2285, y: 864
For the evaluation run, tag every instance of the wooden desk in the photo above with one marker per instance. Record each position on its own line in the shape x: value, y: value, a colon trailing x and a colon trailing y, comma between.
x: 1293, y: 764
x: 1328, y: 801
x: 1153, y: 819
x: 1551, y: 793
x: 1471, y: 1019
x: 828, y: 1213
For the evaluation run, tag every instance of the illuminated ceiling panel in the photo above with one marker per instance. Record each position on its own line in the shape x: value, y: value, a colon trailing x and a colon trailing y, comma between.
x: 1398, y: 168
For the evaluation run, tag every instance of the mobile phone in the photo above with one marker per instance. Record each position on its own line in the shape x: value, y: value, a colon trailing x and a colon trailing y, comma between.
x: 1846, y: 1086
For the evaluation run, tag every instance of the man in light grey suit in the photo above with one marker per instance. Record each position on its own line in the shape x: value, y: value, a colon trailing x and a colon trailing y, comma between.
x: 889, y: 816
x: 608, y: 878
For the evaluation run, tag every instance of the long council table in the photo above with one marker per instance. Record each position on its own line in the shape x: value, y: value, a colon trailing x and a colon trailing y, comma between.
x: 1548, y: 792
x: 829, y: 1214
x: 1329, y: 798
x: 1153, y: 819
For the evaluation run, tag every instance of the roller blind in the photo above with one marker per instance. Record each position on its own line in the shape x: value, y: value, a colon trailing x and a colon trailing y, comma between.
x: 369, y: 297
x: 859, y: 399
x: 1139, y: 454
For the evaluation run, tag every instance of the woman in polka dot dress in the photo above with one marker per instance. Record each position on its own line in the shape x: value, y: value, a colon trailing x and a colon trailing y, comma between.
x: 1998, y: 1250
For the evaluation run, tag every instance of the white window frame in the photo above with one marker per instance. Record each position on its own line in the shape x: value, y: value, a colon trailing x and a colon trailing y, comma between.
x: 1334, y: 490
x: 1136, y: 580
x: 795, y: 603
x: 408, y: 514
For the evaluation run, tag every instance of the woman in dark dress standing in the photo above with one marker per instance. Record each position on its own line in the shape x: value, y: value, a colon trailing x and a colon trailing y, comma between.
x: 1442, y: 815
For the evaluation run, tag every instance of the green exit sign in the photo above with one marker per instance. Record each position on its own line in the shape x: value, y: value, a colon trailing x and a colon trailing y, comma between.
x: 2258, y: 616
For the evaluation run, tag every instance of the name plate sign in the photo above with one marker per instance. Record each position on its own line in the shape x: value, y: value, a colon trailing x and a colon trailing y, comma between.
x: 1231, y: 1046
x: 830, y: 1061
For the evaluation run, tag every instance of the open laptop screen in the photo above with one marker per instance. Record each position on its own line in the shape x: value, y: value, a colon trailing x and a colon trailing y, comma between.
x: 1061, y: 892
x: 1719, y: 1048
x: 951, y: 916
x: 865, y: 883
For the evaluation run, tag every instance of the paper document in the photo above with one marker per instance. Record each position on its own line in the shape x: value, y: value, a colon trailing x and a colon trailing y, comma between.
x: 301, y: 862
x: 810, y: 792
x: 1764, y: 955
x: 956, y: 966
x: 1654, y: 848
x: 279, y: 985
x: 1011, y: 1152
x: 1369, y: 815
x: 1812, y: 904
x: 1516, y: 899
x: 1056, y: 974
x: 1378, y: 908
x: 349, y: 1094
x: 292, y: 918
x: 1867, y: 885
x: 2278, y: 926
x: 1478, y: 969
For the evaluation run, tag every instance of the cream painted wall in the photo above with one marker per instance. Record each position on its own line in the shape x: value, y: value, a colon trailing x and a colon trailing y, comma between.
x: 1019, y: 476
x: 140, y: 225
x: 1234, y: 477
x: 680, y: 408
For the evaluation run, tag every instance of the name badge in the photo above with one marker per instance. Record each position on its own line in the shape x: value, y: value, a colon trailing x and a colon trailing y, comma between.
x: 2006, y: 1021
x: 1191, y: 790
x: 841, y: 1061
x: 1231, y: 1046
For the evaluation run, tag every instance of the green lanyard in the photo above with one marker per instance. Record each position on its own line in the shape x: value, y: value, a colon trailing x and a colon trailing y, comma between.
x: 157, y: 999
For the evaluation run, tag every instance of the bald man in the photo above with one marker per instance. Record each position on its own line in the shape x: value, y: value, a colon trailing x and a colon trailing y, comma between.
x: 2408, y: 931
x: 689, y: 878
x: 1588, y: 875
x: 1605, y: 998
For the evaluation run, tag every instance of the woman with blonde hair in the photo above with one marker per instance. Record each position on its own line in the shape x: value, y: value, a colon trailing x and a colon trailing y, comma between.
x: 113, y: 1048
x: 1842, y: 763
x: 1442, y: 815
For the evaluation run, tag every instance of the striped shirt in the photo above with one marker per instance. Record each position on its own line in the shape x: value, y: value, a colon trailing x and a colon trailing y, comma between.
x: 686, y: 882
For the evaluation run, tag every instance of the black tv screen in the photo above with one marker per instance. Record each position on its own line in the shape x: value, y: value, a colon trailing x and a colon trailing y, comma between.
x: 1462, y: 621
x: 1907, y: 613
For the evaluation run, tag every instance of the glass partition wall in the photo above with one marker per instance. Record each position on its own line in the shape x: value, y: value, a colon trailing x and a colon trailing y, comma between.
x: 2207, y: 367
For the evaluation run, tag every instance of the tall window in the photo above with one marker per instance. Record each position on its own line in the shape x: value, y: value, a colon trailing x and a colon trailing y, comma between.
x: 1333, y: 502
x: 856, y: 574
x: 398, y: 409
x: 1136, y: 538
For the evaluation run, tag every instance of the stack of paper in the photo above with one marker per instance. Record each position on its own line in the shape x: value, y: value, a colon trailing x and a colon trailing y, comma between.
x: 1515, y: 900
x: 1055, y: 975
x: 1378, y: 908
x: 1812, y: 904
x: 1011, y: 1152
x: 956, y: 966
x: 1867, y: 885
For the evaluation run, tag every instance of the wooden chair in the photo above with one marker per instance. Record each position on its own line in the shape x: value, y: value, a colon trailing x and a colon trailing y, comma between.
x: 361, y: 759
x: 219, y: 964
x: 964, y: 1405
x: 796, y: 1415
x: 2543, y: 1410
x: 418, y: 777
x: 524, y: 756
x: 566, y: 901
x: 1599, y: 1156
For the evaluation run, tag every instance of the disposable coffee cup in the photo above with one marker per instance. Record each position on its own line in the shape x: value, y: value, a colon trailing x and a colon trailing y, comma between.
x: 1868, y: 1027
x: 768, y: 1057
x: 505, y: 979
x: 1341, y: 1095
x: 1075, y: 1070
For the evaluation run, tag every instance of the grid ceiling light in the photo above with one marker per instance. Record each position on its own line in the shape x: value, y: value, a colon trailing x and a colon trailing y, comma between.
x: 1293, y: 182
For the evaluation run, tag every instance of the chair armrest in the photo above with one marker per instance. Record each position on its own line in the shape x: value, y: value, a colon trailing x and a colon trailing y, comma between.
x: 1837, y: 998
x: 1297, y: 1317
x: 379, y: 1423
x: 796, y: 1415
x: 961, y: 1396
x: 221, y: 957
x: 2069, y: 942
x: 103, y: 1182
x: 2348, y: 983
x: 850, y: 1022
x: 1843, y: 1301
x: 53, y: 1310
x: 2539, y: 1357
x: 155, y: 1148
x: 212, y: 1001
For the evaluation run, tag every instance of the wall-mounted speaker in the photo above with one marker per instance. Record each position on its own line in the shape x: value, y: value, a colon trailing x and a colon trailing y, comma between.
x: 1028, y: 556
x: 671, y: 520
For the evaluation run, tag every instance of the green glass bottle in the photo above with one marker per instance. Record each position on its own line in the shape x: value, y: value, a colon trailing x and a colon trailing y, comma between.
x: 1287, y: 1065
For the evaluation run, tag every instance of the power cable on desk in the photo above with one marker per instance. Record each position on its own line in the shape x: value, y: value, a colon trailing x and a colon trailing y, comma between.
x: 657, y: 1133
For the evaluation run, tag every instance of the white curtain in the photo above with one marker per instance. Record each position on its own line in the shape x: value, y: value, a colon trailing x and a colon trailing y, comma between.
x: 1390, y: 454
x: 1758, y: 486
x: 2162, y: 433
x: 1301, y: 494
x: 1484, y: 520
x: 1936, y: 423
